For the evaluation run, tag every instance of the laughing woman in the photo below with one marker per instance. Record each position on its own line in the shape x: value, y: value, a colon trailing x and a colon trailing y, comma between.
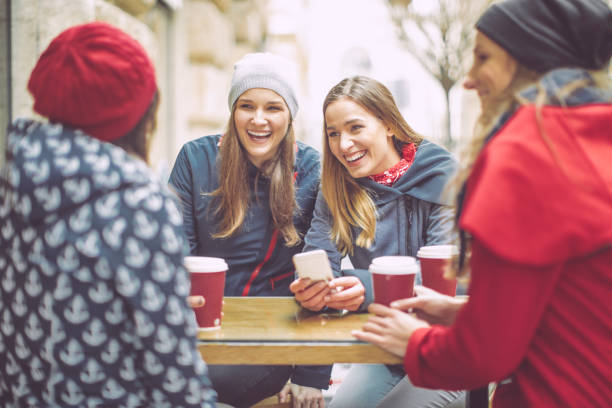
x: 381, y: 194
x: 247, y: 196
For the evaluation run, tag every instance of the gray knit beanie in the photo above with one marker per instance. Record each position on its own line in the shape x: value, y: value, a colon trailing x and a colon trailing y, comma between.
x: 265, y: 70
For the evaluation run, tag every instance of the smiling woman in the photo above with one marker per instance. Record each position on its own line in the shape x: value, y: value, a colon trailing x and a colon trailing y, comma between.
x: 247, y: 196
x: 381, y: 194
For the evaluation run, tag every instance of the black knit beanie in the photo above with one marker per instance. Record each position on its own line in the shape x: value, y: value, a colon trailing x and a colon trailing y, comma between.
x: 547, y: 34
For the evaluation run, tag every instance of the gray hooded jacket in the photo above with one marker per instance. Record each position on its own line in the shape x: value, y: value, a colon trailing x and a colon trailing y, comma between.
x: 410, y: 214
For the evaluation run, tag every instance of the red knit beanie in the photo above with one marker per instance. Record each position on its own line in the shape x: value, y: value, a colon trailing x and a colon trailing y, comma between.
x: 96, y: 78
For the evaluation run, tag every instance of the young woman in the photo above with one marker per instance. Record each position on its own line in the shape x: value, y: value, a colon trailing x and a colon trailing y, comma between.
x: 247, y: 196
x: 535, y: 213
x: 93, y: 292
x: 381, y: 194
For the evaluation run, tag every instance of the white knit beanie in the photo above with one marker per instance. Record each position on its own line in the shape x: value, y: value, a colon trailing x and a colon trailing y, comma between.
x: 265, y: 70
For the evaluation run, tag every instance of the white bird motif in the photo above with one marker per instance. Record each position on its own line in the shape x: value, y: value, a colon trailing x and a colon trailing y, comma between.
x: 78, y: 190
x: 107, y: 206
x: 55, y: 235
x: 90, y: 244
x: 68, y: 166
x: 72, y: 394
x: 68, y: 259
x: 95, y: 335
x: 136, y: 253
x: 112, y: 232
x: 175, y: 381
x: 77, y: 311
x: 37, y: 171
x: 92, y: 373
x: 72, y: 354
x: 100, y: 293
x: 81, y: 220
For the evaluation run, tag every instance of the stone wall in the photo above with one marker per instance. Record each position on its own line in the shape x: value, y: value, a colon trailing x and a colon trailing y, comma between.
x: 193, y: 44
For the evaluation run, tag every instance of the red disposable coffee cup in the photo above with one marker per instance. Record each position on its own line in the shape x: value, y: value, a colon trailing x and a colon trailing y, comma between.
x: 208, y: 280
x: 435, y: 261
x: 393, y: 278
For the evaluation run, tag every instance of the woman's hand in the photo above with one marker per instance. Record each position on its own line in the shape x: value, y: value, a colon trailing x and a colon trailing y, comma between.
x: 303, y: 397
x: 346, y: 292
x: 309, y: 294
x: 196, y: 301
x: 431, y: 306
x: 390, y: 329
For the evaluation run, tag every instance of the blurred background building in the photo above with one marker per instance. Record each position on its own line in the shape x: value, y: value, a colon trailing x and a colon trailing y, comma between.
x: 418, y: 48
x: 194, y: 44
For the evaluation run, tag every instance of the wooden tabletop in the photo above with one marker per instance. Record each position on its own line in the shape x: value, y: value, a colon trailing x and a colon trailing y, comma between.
x: 276, y: 330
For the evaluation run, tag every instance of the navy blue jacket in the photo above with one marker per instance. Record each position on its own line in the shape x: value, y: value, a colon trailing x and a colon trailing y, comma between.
x: 259, y: 262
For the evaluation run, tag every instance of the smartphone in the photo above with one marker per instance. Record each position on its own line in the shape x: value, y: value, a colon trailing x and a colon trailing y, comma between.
x: 313, y: 265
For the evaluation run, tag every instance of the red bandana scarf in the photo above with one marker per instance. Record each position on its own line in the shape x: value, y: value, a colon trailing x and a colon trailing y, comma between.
x: 391, y: 175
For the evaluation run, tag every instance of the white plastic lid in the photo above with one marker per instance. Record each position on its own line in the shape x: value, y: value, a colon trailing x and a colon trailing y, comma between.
x: 395, y: 265
x: 204, y: 264
x: 438, y: 251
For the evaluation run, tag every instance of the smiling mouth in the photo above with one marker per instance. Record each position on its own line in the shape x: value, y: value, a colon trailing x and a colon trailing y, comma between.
x: 355, y: 156
x: 259, y: 136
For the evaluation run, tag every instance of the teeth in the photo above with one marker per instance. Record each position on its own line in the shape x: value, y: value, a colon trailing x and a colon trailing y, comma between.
x: 259, y: 134
x: 355, y: 156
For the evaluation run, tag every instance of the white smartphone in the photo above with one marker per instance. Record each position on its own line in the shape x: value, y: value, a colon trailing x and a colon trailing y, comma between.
x: 314, y: 265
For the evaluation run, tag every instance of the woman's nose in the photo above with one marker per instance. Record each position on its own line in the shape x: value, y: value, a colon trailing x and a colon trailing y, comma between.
x: 259, y: 117
x: 346, y: 142
x: 469, y: 83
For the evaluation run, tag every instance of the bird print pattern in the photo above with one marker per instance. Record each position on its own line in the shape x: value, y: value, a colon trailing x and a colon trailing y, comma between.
x: 93, y: 309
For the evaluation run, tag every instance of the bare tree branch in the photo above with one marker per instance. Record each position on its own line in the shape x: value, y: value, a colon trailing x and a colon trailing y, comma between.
x: 440, y: 40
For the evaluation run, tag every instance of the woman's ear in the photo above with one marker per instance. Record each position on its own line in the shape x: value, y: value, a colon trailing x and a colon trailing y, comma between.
x: 390, y: 132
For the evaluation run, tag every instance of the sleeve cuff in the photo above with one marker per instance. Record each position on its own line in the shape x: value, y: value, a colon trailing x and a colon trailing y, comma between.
x: 312, y: 376
x: 412, y: 357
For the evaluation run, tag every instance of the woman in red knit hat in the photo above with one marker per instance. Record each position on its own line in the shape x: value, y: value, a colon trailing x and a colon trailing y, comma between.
x: 535, y: 213
x: 93, y: 295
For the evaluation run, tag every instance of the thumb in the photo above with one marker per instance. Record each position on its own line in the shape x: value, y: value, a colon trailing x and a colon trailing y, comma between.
x: 282, y: 395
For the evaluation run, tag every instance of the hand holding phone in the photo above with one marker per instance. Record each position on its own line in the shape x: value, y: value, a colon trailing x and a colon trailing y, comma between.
x: 313, y: 265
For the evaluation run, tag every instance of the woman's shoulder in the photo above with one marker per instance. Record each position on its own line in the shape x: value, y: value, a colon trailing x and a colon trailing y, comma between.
x: 199, y: 152
x: 306, y: 152
x: 307, y: 159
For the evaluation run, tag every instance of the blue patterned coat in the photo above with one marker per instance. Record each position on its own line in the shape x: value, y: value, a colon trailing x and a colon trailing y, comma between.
x: 93, y: 307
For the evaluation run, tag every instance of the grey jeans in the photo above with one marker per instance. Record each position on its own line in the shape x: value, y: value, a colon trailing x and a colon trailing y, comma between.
x: 381, y: 386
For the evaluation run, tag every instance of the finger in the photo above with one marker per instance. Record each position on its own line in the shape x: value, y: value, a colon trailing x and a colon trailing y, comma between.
x: 381, y: 310
x: 409, y: 303
x: 423, y: 290
x: 343, y: 281
x: 367, y: 337
x: 196, y: 301
x: 299, y: 284
x: 345, y: 295
x: 316, y: 289
x: 282, y: 395
x: 352, y: 304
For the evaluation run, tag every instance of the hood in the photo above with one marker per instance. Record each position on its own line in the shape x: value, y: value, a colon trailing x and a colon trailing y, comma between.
x: 426, y: 179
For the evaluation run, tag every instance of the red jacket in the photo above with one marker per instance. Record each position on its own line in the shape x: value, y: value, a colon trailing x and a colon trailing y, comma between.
x: 539, y: 319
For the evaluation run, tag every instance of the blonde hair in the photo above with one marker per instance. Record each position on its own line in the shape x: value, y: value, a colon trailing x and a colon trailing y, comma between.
x: 507, y: 102
x: 349, y: 203
x: 234, y: 193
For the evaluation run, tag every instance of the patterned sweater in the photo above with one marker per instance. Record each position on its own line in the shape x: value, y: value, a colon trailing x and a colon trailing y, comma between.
x: 93, y: 307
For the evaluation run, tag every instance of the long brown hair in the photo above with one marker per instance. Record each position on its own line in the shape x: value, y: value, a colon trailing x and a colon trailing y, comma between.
x: 349, y: 203
x: 138, y: 140
x: 234, y: 193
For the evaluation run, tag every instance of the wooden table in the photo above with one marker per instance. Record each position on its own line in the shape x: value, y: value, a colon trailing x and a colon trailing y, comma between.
x: 276, y: 330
